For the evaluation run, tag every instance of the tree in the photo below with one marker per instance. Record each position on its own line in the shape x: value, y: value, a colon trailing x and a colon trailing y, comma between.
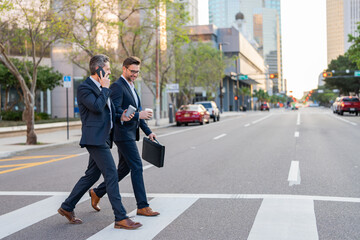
x: 198, y: 65
x: 354, y: 50
x: 261, y: 95
x: 345, y: 82
x: 40, y: 24
x: 244, y: 91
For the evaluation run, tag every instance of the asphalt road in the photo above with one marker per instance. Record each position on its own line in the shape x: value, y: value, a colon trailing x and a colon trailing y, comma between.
x: 266, y: 175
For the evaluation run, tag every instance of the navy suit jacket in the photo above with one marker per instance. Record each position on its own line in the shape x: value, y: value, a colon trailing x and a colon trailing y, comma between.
x: 122, y: 97
x: 95, y: 114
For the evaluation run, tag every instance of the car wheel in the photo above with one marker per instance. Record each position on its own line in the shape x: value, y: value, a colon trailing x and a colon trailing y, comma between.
x: 202, y: 121
x: 356, y: 113
x: 341, y: 112
x: 208, y: 121
x: 218, y: 118
x: 186, y: 124
x: 214, y: 118
x: 178, y: 124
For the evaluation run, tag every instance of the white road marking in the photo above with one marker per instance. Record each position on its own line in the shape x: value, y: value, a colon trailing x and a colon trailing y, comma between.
x: 297, y: 134
x: 21, y: 218
x: 298, y: 119
x: 294, y: 173
x: 285, y: 219
x: 347, y: 121
x: 205, y: 196
x: 220, y: 136
x: 169, y: 208
x: 259, y: 120
x: 246, y: 125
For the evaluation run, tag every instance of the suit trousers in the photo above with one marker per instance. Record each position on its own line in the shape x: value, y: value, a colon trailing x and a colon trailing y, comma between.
x: 100, y: 162
x: 129, y: 161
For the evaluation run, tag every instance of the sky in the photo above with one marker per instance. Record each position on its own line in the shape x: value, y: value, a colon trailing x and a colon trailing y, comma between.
x: 303, y: 26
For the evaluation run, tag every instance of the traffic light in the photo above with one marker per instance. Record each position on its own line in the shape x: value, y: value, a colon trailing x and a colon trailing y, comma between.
x: 327, y: 74
x: 273, y: 75
x: 235, y: 98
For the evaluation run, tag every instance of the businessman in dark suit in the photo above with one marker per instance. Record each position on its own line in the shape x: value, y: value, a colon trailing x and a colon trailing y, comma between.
x: 126, y: 133
x: 98, y: 117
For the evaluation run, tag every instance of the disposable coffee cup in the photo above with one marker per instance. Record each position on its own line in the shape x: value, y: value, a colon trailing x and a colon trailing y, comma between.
x: 150, y: 110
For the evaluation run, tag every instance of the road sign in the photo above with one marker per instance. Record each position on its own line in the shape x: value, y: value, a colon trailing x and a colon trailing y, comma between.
x: 67, y: 82
x: 320, y: 91
x: 243, y: 77
x: 357, y: 73
x: 172, y: 88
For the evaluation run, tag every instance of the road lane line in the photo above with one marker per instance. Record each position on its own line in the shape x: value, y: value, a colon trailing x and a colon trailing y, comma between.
x: 39, y: 163
x: 246, y: 125
x: 298, y: 119
x: 294, y: 174
x: 286, y: 219
x: 261, y: 119
x: 24, y: 217
x: 169, y: 208
x: 220, y: 136
x: 347, y: 121
x: 297, y: 134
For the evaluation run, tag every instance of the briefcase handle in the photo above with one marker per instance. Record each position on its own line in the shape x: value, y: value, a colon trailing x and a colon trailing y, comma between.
x: 156, y: 141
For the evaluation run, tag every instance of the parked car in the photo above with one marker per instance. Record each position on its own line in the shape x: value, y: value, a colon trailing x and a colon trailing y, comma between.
x: 192, y: 113
x: 265, y: 106
x: 348, y: 104
x: 212, y: 108
x: 335, y: 104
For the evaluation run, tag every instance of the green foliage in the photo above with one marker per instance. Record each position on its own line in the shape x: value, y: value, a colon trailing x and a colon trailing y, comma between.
x: 11, y: 115
x: 354, y: 50
x: 41, y: 116
x: 345, y: 82
x: 323, y: 98
x: 47, y: 77
x: 198, y: 65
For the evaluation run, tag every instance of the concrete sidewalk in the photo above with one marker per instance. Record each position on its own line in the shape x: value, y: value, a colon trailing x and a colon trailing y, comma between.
x: 10, y: 146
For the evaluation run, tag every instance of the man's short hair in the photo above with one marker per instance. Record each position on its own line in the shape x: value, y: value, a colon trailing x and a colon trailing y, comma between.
x: 97, y: 61
x: 131, y: 60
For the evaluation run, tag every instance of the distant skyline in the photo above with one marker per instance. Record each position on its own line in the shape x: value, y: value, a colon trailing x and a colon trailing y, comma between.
x: 303, y: 42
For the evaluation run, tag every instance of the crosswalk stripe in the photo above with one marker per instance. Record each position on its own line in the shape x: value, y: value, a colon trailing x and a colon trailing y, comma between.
x: 169, y: 208
x: 31, y: 214
x: 285, y: 219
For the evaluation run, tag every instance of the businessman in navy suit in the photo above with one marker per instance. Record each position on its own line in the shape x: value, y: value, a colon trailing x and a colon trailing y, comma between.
x: 98, y: 116
x: 126, y: 133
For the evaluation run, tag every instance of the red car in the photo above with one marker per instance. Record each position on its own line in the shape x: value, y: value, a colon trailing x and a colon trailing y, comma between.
x: 192, y: 113
x: 264, y: 106
x: 348, y: 104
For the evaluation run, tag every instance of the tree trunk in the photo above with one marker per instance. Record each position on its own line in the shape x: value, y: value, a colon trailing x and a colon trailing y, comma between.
x: 31, y: 138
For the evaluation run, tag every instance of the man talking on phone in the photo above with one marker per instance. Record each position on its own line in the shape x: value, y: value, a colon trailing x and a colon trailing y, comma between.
x: 123, y: 94
x: 97, y: 117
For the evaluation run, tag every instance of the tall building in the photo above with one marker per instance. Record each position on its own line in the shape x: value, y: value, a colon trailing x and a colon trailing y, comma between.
x: 222, y: 12
x: 341, y: 19
x: 191, y: 6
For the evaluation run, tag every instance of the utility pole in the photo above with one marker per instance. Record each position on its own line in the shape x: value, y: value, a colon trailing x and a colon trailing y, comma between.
x: 157, y: 72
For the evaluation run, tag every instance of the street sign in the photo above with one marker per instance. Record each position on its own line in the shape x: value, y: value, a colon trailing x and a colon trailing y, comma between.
x: 172, y: 88
x: 67, y: 82
x: 320, y: 91
x: 243, y: 77
x: 357, y: 73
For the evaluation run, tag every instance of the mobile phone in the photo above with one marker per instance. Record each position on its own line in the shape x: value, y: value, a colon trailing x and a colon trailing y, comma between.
x: 131, y: 109
x: 100, y: 69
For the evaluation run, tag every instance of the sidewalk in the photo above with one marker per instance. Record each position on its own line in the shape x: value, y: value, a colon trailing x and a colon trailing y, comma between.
x: 10, y: 146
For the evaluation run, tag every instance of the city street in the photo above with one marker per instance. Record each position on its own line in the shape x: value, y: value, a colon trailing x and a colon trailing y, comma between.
x: 280, y: 174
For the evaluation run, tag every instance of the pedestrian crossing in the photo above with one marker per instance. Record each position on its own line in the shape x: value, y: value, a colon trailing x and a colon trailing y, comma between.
x: 289, y: 217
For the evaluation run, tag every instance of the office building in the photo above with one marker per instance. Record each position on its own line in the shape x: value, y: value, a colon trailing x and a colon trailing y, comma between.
x: 341, y: 20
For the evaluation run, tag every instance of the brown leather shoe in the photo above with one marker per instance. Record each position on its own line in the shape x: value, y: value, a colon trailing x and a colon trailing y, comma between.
x: 127, y: 223
x: 70, y: 216
x: 94, y: 200
x: 147, y: 211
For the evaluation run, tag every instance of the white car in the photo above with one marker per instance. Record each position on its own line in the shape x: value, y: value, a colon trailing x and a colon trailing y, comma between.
x: 212, y: 108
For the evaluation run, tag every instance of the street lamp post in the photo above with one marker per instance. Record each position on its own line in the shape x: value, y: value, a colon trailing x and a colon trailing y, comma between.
x: 221, y: 80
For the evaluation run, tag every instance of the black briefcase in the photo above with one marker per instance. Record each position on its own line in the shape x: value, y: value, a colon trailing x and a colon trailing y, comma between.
x: 153, y: 152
